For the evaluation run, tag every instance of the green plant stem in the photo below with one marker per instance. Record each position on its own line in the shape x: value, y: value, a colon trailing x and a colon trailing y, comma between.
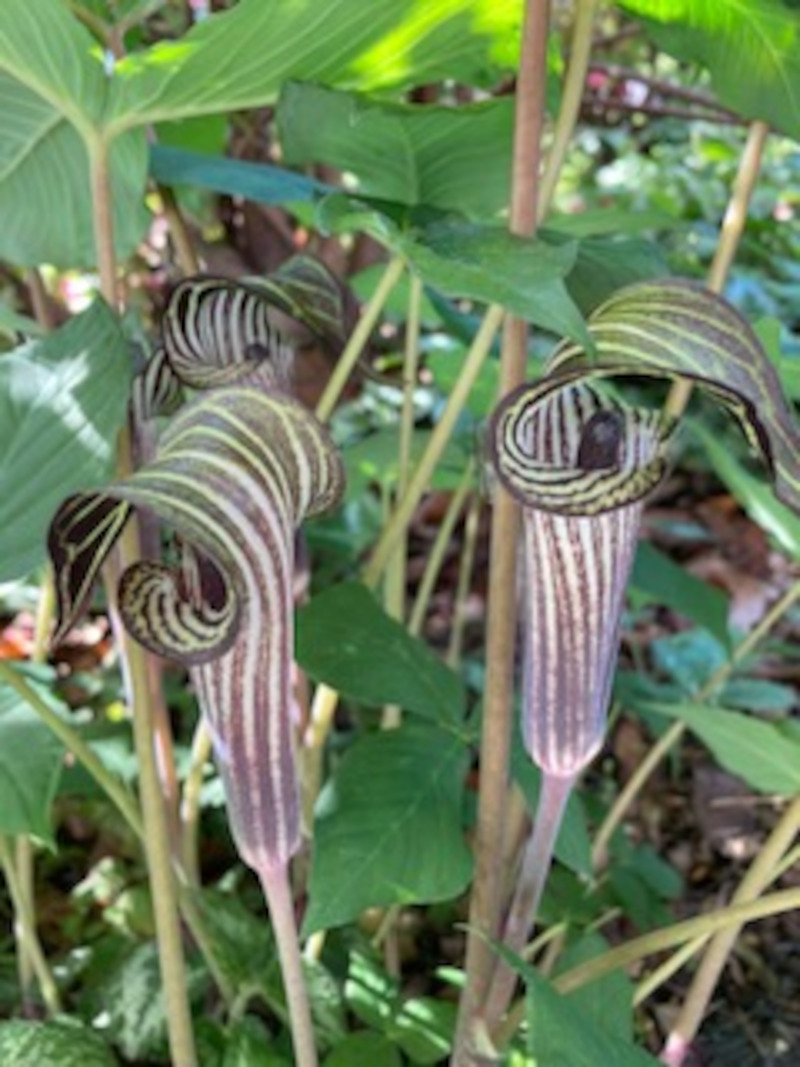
x: 729, y: 238
x: 673, y: 734
x: 571, y: 96
x: 396, y: 569
x: 501, y: 622
x: 145, y: 697
x: 277, y: 892
x: 716, y: 956
x: 393, y: 531
x: 25, y: 929
x: 359, y: 338
x: 75, y: 744
x: 464, y: 583
x: 659, y: 940
x: 537, y: 859
x: 433, y: 564
x: 190, y: 802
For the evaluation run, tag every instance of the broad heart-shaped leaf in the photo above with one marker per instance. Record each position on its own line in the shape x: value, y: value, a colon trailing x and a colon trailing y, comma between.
x: 560, y: 1031
x: 31, y: 761
x: 53, y: 89
x: 388, y: 826
x: 65, y: 1042
x: 487, y: 263
x: 761, y: 753
x: 62, y: 401
x: 346, y: 640
x: 751, y: 48
x: 45, y: 186
x: 673, y: 327
x: 241, y: 58
x: 454, y: 158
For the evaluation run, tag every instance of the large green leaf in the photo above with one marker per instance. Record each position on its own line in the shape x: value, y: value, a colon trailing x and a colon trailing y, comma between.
x: 388, y: 826
x: 241, y: 58
x: 761, y: 753
x: 45, y: 198
x: 345, y: 639
x: 751, y: 48
x: 62, y: 401
x: 454, y: 158
x: 561, y: 1031
x: 67, y: 1043
x: 31, y: 761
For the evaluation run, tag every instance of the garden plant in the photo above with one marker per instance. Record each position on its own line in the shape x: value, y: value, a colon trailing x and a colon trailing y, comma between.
x: 361, y: 364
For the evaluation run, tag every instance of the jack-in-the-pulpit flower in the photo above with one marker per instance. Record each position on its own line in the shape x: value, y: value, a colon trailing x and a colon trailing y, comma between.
x: 235, y: 473
x: 579, y: 464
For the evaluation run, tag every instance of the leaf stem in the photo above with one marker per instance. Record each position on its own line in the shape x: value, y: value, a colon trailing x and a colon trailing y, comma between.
x: 673, y: 734
x: 439, y: 438
x: 501, y: 623
x: 729, y: 238
x: 571, y: 95
x: 716, y: 956
x: 25, y: 929
x: 145, y: 694
x: 190, y: 802
x: 359, y: 338
x: 464, y: 583
x: 277, y: 891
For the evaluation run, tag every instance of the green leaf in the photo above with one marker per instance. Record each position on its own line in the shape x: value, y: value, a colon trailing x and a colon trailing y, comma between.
x: 44, y: 166
x: 423, y: 1028
x: 365, y: 1049
x: 759, y: 752
x: 606, y: 264
x: 487, y: 263
x: 755, y: 495
x: 62, y: 401
x: 65, y: 1042
x: 240, y: 59
x: 560, y: 1031
x: 31, y: 761
x: 411, y: 153
x: 249, y: 1045
x: 374, y: 461
x: 347, y: 641
x: 607, y: 1002
x: 388, y: 826
x: 253, y: 181
x: 657, y: 578
x: 758, y: 37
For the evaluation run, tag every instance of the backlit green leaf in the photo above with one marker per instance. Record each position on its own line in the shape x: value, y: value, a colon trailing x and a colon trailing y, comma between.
x: 388, y: 826
x: 415, y: 154
x: 62, y: 401
x: 751, y: 48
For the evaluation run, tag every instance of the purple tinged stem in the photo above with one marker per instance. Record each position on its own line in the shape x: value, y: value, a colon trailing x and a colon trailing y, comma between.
x: 536, y: 862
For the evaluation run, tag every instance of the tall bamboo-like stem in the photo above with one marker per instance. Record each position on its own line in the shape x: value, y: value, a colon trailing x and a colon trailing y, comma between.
x: 154, y: 816
x: 501, y: 624
x: 358, y: 339
x: 730, y: 236
x: 571, y: 94
x: 25, y: 929
x: 277, y: 891
x: 396, y: 570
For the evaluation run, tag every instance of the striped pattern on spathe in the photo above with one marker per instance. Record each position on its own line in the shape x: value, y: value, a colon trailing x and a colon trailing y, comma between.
x: 676, y: 328
x: 237, y: 471
x: 576, y: 565
x: 156, y: 390
x: 218, y: 332
x: 540, y: 432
